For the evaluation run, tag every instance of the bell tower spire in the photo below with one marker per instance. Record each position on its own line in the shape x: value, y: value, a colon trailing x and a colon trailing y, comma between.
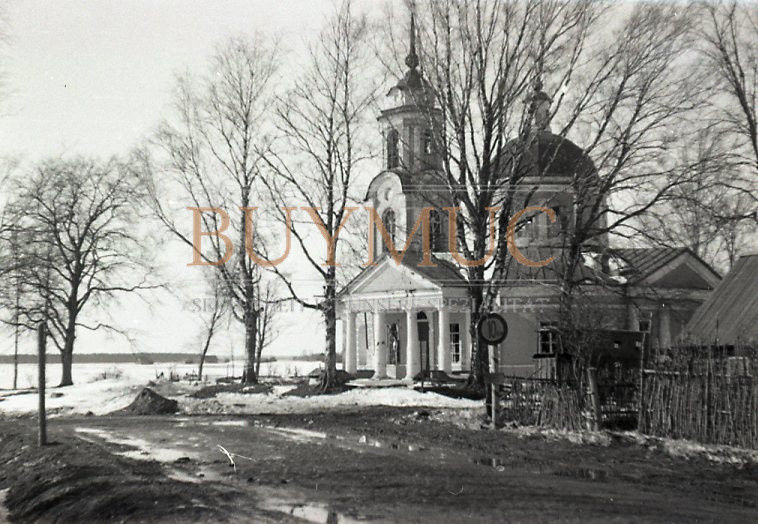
x: 411, y: 60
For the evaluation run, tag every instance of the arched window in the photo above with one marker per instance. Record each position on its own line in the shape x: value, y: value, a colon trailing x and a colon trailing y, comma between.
x: 393, y: 153
x: 437, y: 236
x: 388, y: 219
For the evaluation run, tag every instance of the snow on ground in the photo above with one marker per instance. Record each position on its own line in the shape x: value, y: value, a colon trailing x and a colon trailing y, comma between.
x: 88, y: 372
x: 236, y: 403
x: 102, y: 388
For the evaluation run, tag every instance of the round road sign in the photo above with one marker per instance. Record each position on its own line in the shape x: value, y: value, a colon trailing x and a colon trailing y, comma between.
x: 493, y: 328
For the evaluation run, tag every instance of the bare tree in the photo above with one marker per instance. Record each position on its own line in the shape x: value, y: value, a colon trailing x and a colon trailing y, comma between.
x: 212, y: 313
x: 323, y: 122
x: 730, y: 44
x: 77, y: 246
x: 614, y: 88
x: 704, y: 212
x: 268, y: 306
x: 208, y: 156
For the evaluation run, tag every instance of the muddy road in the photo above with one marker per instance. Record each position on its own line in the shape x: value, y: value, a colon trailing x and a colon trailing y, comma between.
x: 379, y: 464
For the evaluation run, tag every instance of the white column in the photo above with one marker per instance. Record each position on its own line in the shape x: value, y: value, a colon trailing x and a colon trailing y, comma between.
x: 632, y: 317
x: 350, y: 355
x: 443, y: 341
x: 466, y: 341
x: 665, y: 327
x: 380, y: 345
x: 412, y: 358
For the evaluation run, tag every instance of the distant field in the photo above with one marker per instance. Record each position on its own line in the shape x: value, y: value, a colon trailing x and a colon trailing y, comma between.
x: 27, y: 373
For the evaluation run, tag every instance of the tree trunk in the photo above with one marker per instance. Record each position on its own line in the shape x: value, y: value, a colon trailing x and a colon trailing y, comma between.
x: 479, y: 350
x: 249, y: 376
x: 67, y: 355
x: 329, y: 380
x: 66, y: 362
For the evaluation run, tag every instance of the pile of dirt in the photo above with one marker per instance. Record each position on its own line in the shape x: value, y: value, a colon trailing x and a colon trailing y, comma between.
x: 247, y: 389
x: 148, y: 402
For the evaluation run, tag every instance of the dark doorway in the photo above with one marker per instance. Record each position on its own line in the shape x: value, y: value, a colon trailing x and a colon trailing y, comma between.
x: 423, y: 340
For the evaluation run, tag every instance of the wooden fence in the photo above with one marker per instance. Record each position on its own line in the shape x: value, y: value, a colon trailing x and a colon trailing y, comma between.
x: 707, y: 398
x: 540, y: 402
x: 710, y: 405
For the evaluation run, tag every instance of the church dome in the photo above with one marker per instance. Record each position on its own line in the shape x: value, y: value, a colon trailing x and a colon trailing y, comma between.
x: 546, y: 155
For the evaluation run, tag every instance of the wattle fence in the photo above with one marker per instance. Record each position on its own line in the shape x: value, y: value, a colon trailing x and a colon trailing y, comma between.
x: 713, y: 404
x: 707, y: 398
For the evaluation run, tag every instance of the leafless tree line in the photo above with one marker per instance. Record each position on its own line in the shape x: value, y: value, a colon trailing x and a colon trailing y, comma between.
x: 661, y: 96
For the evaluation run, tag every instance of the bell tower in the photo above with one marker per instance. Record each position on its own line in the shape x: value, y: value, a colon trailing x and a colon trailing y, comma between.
x: 410, y: 123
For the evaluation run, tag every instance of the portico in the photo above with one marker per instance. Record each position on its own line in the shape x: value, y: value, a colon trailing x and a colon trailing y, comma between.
x: 419, y: 319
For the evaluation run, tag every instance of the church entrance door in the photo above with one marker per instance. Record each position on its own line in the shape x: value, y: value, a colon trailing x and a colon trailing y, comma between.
x: 423, y: 341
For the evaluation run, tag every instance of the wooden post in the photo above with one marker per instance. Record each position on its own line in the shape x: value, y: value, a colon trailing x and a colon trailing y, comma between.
x: 41, y: 334
x: 493, y: 385
x: 641, y: 387
x: 594, y: 398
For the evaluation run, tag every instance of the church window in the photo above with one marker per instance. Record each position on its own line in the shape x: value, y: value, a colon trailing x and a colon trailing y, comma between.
x: 393, y: 152
x: 388, y: 219
x: 548, y: 338
x: 455, y: 343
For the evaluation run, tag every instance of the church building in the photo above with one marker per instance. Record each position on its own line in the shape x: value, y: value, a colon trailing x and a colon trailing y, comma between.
x: 401, y: 319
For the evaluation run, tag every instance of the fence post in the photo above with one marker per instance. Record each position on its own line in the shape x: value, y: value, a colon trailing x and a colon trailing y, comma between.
x: 594, y: 398
x: 41, y: 335
x: 641, y: 388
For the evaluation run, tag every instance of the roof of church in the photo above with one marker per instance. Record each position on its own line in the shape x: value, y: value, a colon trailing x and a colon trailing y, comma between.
x: 644, y: 261
x: 546, y: 154
x: 730, y: 313
x: 444, y: 274
x: 551, y: 272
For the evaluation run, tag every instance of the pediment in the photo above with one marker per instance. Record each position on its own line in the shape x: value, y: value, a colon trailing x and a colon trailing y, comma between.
x: 389, y: 276
x: 684, y: 272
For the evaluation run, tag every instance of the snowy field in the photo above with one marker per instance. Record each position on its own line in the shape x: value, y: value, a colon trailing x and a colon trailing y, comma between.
x: 102, y: 388
x: 27, y: 373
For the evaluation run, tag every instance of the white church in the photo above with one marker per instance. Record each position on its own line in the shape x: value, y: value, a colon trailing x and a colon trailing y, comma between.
x: 401, y: 319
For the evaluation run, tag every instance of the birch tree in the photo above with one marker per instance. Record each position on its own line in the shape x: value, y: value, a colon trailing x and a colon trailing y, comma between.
x: 323, y: 123
x: 207, y: 155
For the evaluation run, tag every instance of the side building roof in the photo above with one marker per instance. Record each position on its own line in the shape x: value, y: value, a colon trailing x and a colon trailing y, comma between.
x: 730, y: 314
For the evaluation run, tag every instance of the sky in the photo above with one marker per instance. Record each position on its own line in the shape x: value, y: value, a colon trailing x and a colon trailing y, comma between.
x: 94, y: 78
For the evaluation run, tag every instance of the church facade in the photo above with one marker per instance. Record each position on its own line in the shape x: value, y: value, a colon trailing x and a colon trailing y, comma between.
x: 400, y: 319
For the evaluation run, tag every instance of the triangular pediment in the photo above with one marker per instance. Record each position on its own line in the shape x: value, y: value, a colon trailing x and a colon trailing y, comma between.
x: 684, y: 272
x: 388, y: 276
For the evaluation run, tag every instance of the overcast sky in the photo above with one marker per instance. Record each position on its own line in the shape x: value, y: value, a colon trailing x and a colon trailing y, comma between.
x: 94, y: 78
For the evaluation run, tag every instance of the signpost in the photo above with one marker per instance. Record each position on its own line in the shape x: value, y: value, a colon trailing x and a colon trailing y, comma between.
x: 493, y: 329
x: 41, y: 386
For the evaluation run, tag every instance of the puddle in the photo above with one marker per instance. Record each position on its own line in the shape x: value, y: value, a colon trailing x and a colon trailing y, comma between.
x: 238, y: 423
x: 302, y: 435
x: 145, y: 450
x: 183, y: 423
x: 309, y: 511
x: 203, y: 474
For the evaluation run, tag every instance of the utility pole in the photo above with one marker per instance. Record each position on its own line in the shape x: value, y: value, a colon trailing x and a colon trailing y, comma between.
x: 16, y: 315
x: 41, y: 334
x: 15, y: 337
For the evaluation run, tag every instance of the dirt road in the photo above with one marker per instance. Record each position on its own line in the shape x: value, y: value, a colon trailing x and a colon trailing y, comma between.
x: 391, y: 464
